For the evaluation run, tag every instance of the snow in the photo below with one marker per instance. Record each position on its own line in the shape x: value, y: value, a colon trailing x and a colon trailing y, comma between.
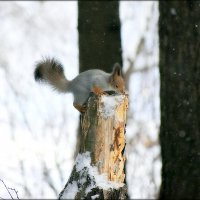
x: 71, y: 191
x: 84, y: 161
x: 109, y: 105
x: 85, y: 169
x: 95, y: 196
x: 173, y: 11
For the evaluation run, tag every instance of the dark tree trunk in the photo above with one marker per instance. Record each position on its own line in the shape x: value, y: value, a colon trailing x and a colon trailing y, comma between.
x: 99, y: 35
x: 179, y: 32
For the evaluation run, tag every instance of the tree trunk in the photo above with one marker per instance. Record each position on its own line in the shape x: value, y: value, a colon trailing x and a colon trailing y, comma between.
x: 99, y: 167
x: 99, y: 38
x: 99, y: 35
x: 179, y: 31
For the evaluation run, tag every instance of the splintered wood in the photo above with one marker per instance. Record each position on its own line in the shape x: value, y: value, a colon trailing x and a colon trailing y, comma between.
x: 103, y: 134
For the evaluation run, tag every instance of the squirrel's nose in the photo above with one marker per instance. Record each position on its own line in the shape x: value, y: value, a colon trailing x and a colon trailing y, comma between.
x: 123, y: 91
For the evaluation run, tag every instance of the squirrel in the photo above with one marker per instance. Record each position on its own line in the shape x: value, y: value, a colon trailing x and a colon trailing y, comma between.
x: 97, y: 81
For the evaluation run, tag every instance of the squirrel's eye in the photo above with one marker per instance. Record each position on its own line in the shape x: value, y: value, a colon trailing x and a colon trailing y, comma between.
x: 116, y: 86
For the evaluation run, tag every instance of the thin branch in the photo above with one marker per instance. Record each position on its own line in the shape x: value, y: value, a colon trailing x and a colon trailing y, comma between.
x: 22, y: 170
x: 131, y: 68
x: 59, y: 170
x: 20, y: 104
x: 48, y: 179
x: 15, y: 191
x: 140, y: 48
x: 8, y: 190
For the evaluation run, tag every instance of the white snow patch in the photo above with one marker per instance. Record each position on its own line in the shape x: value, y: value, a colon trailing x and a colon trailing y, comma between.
x: 82, y: 160
x: 109, y: 104
x: 83, y: 166
x: 71, y: 191
x: 173, y: 11
x: 95, y: 196
x: 101, y: 180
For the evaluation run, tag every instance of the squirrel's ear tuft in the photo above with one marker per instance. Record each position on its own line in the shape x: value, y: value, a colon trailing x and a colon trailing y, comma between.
x: 117, y: 70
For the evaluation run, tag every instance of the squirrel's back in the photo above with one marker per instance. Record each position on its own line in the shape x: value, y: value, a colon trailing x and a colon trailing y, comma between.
x: 83, y: 84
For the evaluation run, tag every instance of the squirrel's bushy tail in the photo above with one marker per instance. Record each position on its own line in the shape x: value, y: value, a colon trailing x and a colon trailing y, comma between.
x: 52, y: 72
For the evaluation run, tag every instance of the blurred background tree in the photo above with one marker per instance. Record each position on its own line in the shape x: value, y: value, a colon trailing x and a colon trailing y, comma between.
x: 99, y: 35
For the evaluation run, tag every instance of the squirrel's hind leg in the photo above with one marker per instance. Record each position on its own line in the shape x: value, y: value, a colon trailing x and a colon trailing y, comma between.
x: 80, y: 108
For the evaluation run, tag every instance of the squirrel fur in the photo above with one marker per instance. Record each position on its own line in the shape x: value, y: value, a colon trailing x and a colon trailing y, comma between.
x: 51, y: 71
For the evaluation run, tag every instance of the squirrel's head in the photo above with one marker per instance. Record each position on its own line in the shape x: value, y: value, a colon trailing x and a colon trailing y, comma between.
x: 116, y: 79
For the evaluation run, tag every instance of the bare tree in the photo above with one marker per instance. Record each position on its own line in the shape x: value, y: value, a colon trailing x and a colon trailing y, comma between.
x: 180, y: 96
x: 99, y: 35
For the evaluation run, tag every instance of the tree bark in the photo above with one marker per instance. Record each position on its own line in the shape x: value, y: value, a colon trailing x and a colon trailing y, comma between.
x: 102, y: 150
x: 99, y: 35
x: 179, y: 32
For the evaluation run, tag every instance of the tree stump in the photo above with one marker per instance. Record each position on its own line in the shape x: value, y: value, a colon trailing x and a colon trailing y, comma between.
x: 98, y: 172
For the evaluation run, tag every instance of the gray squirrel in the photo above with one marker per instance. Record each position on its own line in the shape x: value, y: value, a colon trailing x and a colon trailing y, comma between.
x: 51, y: 71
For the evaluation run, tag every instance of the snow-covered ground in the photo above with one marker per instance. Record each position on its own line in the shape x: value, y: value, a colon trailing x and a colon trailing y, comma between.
x: 38, y: 126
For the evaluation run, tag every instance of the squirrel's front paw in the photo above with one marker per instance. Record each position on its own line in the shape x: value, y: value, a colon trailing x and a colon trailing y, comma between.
x: 80, y: 108
x: 97, y: 90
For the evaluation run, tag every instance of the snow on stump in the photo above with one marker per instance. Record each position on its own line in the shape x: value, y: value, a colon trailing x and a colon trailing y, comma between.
x: 98, y: 172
